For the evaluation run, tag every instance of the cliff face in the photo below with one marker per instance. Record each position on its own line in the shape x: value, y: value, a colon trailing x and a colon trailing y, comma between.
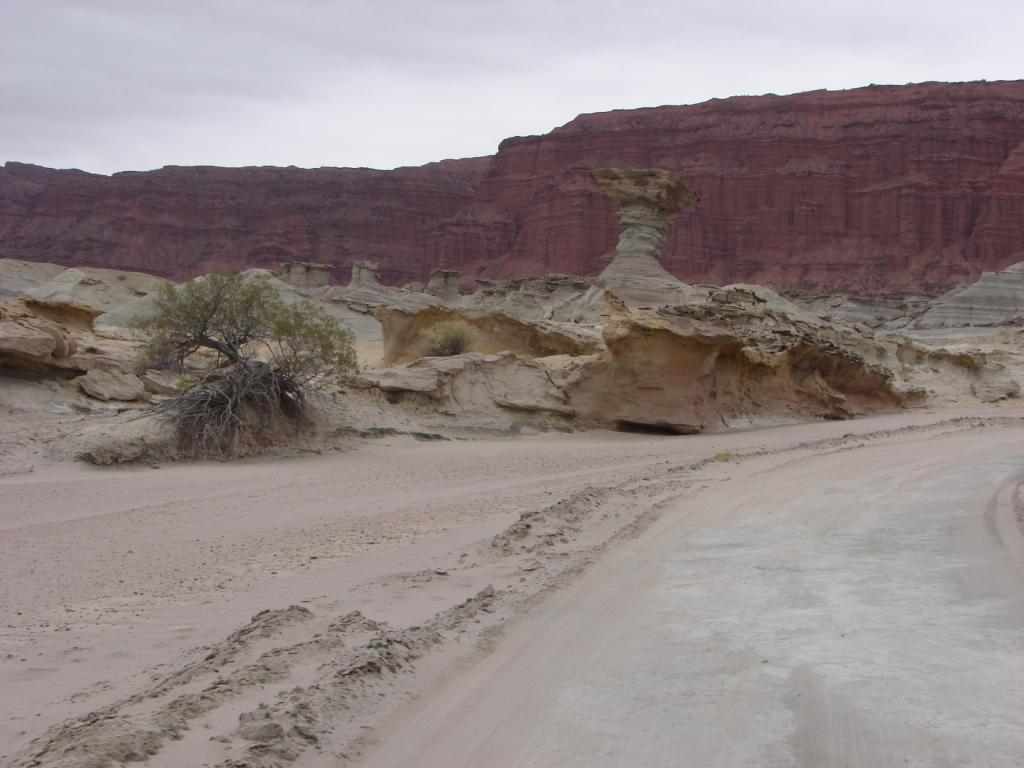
x: 180, y: 221
x: 874, y: 190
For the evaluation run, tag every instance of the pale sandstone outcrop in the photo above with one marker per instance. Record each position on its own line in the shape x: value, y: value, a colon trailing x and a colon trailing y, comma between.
x: 160, y: 382
x: 952, y: 375
x: 126, y: 315
x: 18, y: 276
x: 77, y: 296
x: 553, y: 353
x: 735, y: 356
x: 995, y: 298
x: 356, y: 302
x: 689, y: 376
x: 444, y: 283
x: 692, y: 369
x: 32, y: 345
x: 305, y: 276
x: 27, y: 340
x: 364, y: 275
x: 874, y: 312
x: 359, y: 319
x: 128, y: 438
x: 739, y: 359
x: 406, y: 334
x: 112, y: 385
x: 558, y: 298
x: 471, y: 386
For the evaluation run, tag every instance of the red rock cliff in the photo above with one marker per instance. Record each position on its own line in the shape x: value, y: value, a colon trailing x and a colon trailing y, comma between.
x: 873, y: 190
x: 180, y: 221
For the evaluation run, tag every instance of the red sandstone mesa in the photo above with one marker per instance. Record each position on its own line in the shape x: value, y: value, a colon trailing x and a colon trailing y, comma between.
x: 874, y: 190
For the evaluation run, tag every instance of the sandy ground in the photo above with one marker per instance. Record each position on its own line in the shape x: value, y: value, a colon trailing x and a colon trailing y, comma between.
x: 810, y: 597
x: 860, y: 607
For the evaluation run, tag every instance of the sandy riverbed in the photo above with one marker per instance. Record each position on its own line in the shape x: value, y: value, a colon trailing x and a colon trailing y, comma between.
x: 615, y: 607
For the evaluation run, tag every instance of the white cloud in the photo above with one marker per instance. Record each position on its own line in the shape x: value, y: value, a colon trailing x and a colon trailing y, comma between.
x: 107, y: 85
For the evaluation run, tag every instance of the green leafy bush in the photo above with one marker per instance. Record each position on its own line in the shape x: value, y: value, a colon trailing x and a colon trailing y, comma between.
x: 270, y: 356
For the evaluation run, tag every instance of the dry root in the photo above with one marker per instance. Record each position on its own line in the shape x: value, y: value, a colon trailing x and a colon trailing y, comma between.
x: 233, y: 409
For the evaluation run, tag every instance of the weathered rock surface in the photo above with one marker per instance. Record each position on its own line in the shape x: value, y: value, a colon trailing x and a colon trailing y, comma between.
x: 355, y: 303
x: 29, y: 341
x: 17, y: 276
x: 78, y: 296
x: 54, y: 338
x: 737, y: 356
x: 650, y: 199
x: 551, y: 353
x: 407, y: 334
x: 875, y: 190
x: 443, y: 283
x: 995, y: 298
x: 159, y: 382
x: 130, y: 438
x: 742, y: 357
x: 560, y: 298
x: 126, y: 315
x: 112, y: 385
x: 874, y: 312
x: 356, y: 316
x: 305, y: 276
x: 499, y: 392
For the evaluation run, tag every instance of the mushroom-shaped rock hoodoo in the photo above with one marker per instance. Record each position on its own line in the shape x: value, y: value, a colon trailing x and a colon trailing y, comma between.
x: 650, y: 199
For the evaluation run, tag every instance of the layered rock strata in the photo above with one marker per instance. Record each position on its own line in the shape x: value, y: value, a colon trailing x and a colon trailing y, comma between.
x: 737, y: 356
x: 996, y: 298
x: 650, y: 200
x: 879, y: 190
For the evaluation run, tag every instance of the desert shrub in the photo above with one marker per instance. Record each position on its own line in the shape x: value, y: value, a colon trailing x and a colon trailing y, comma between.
x: 269, y: 359
x: 159, y: 355
x: 723, y: 456
x: 449, y: 338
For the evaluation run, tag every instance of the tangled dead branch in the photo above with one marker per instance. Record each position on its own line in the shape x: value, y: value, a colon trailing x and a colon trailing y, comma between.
x: 236, y: 408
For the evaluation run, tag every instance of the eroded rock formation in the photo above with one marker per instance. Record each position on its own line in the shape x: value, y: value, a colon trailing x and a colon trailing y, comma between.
x: 305, y: 276
x: 995, y: 298
x: 407, y: 333
x: 443, y: 283
x: 552, y: 353
x: 47, y: 320
x: 474, y: 386
x: 650, y: 199
x: 878, y: 190
x: 737, y: 356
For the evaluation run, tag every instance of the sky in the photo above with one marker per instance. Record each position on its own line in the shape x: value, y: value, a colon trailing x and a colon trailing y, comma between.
x: 110, y: 85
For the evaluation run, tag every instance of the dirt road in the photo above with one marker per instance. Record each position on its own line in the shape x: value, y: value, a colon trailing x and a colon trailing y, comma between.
x: 830, y: 594
x: 861, y: 607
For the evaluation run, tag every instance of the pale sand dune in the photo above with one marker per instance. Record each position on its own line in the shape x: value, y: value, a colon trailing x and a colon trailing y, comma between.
x: 116, y: 584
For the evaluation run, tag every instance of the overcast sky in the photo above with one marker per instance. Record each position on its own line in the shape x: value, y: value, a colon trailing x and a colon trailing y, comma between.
x: 108, y: 85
